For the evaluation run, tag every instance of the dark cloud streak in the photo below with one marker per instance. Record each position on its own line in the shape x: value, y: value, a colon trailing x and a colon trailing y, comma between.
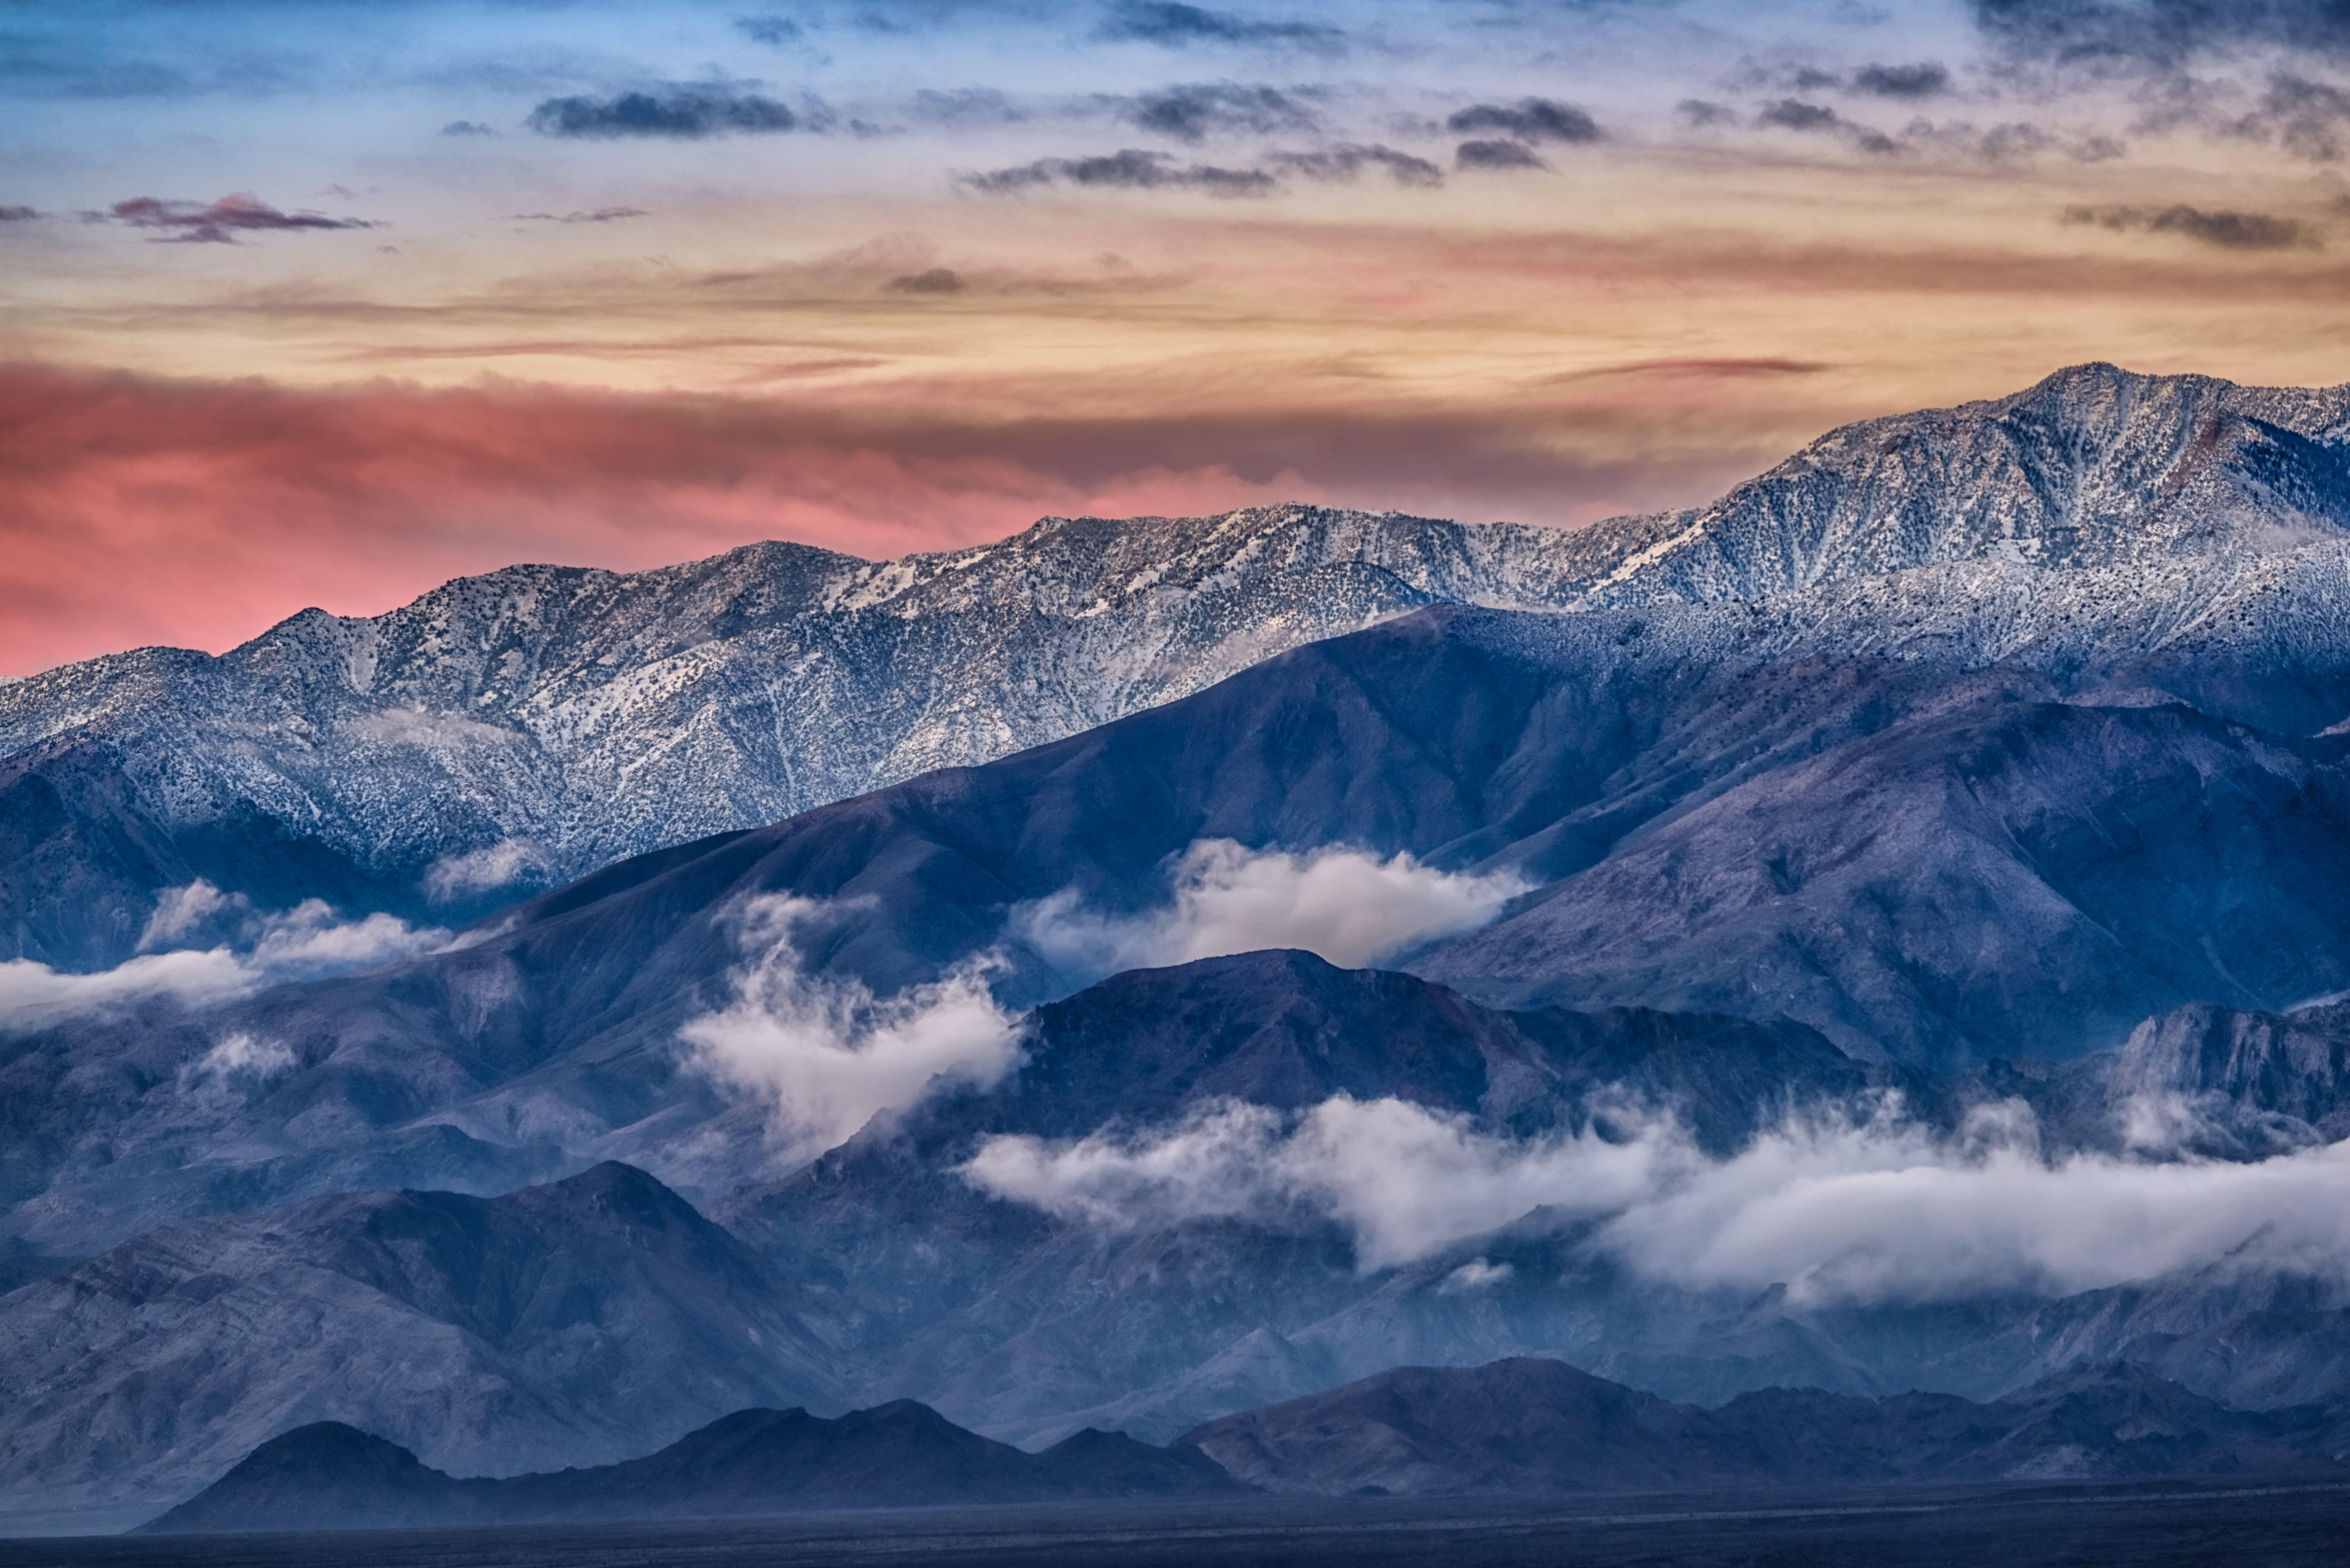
x: 1344, y: 162
x: 218, y: 222
x: 1176, y: 25
x: 679, y: 111
x: 1812, y: 119
x: 1191, y: 112
x: 938, y: 280
x: 1495, y: 155
x: 1532, y: 119
x: 1128, y: 170
x: 2307, y: 119
x: 1925, y: 79
x: 2161, y: 33
x: 2227, y: 230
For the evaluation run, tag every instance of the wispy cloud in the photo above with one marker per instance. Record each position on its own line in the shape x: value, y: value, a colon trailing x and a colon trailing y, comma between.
x: 1194, y: 111
x: 1838, y: 1207
x: 484, y: 870
x: 1351, y: 907
x: 587, y: 215
x: 827, y: 1052
x: 243, y: 949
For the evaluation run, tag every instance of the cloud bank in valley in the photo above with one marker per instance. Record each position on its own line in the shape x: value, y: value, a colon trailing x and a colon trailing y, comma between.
x: 826, y: 1052
x: 1838, y: 1208
x: 1345, y: 905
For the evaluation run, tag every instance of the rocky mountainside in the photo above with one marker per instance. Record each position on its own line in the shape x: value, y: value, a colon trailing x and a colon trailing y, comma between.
x: 583, y: 1321
x: 1996, y: 831
x: 511, y: 731
x: 1016, y: 1087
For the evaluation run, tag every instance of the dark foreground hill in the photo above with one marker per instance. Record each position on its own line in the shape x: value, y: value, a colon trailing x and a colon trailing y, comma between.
x: 329, y: 1476
x: 1528, y: 1426
x: 1533, y: 1425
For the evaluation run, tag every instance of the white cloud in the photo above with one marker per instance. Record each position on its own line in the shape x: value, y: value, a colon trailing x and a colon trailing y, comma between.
x: 1476, y: 1274
x: 239, y: 1055
x: 179, y: 911
x: 1872, y: 1208
x: 306, y: 942
x: 1406, y: 1180
x: 33, y: 995
x: 1345, y: 905
x: 310, y: 940
x: 831, y: 1054
x: 483, y: 870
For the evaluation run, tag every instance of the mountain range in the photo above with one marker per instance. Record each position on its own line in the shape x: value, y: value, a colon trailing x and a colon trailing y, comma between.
x: 511, y: 731
x: 1391, y: 937
x: 1510, y: 1427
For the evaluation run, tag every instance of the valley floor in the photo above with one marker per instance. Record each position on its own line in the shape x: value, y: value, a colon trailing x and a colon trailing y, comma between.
x: 2078, y: 1525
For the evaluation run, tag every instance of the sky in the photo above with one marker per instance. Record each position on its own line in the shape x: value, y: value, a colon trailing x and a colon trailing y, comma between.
x: 318, y: 302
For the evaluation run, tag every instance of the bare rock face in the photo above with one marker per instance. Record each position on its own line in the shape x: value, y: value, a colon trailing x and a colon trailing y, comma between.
x: 511, y: 731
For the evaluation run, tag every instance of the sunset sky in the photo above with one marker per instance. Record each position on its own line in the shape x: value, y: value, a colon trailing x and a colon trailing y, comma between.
x: 324, y: 303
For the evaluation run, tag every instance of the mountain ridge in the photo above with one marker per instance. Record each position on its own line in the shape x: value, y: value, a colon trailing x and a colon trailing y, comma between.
x: 510, y: 732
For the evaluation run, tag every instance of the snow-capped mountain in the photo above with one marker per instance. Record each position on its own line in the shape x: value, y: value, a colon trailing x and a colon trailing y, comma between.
x: 511, y: 731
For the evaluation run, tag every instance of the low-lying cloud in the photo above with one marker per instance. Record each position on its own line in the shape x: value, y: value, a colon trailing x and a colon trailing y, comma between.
x: 1840, y: 1208
x: 1405, y: 1180
x: 830, y: 1054
x: 1345, y: 905
x: 484, y: 870
x: 244, y: 949
x: 34, y: 996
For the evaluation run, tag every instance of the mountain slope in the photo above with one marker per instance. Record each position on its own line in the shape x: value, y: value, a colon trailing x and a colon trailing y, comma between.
x: 2141, y: 780
x: 510, y: 732
x: 578, y: 1321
